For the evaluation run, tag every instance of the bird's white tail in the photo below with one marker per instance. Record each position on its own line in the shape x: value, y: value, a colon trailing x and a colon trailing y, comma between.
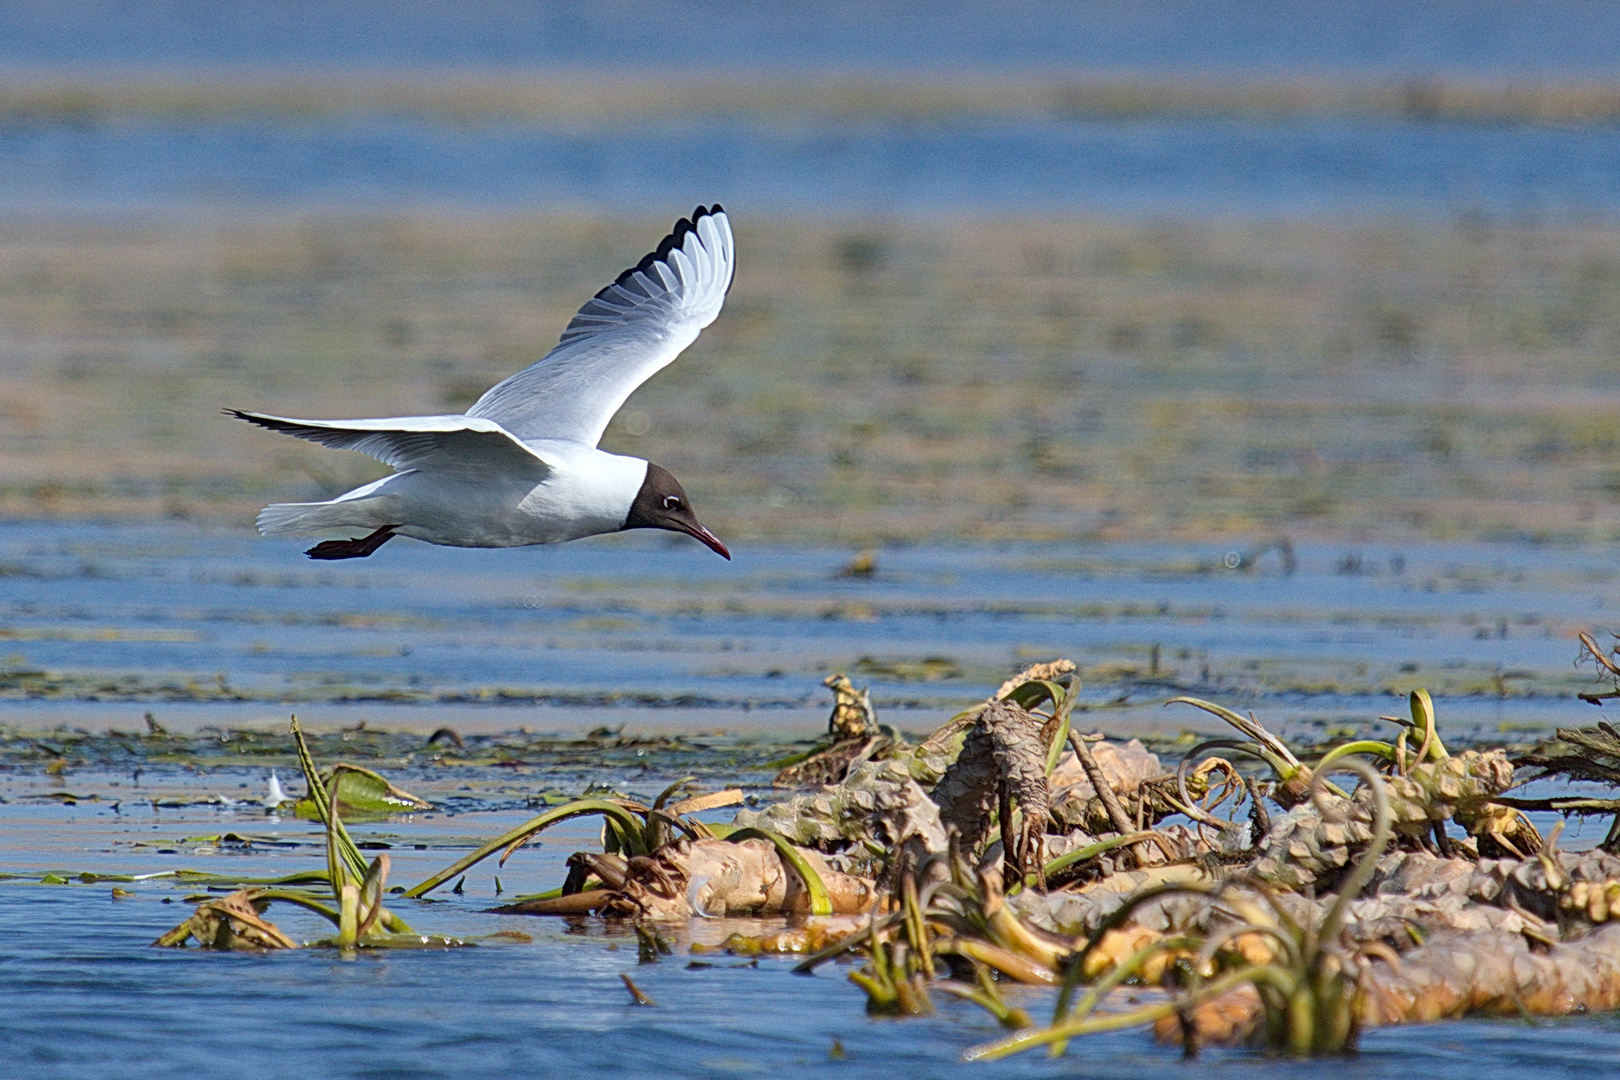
x: 290, y: 519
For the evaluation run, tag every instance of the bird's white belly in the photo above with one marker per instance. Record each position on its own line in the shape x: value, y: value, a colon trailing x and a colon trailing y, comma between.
x: 463, y: 511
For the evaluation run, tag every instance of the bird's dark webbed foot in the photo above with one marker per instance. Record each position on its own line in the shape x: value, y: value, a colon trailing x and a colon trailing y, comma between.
x: 352, y: 549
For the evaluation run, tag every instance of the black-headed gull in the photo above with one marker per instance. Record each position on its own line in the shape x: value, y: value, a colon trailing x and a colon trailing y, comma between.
x: 521, y: 466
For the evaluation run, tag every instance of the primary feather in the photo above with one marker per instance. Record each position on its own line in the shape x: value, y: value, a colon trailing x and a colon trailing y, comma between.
x: 623, y: 335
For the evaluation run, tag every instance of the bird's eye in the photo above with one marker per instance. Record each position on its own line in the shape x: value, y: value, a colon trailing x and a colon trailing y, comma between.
x: 671, y: 501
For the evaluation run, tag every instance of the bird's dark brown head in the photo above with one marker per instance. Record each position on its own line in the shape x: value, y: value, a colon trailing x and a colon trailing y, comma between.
x: 662, y: 504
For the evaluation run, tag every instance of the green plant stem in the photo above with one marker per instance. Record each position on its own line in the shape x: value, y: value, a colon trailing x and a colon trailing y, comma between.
x: 820, y: 901
x: 1091, y: 851
x: 350, y: 854
x: 579, y: 808
x: 1362, y: 746
x: 1028, y: 1040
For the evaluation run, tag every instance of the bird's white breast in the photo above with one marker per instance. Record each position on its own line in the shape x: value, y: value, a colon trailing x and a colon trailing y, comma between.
x: 584, y: 492
x: 588, y: 492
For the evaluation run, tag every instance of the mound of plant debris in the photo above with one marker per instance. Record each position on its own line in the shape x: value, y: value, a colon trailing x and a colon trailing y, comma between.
x: 1287, y: 902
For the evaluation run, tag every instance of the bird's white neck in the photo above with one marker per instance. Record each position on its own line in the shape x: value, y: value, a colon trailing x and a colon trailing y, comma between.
x: 589, y: 491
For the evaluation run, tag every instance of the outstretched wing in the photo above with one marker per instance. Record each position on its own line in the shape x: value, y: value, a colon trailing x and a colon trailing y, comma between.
x: 444, y: 443
x: 621, y: 337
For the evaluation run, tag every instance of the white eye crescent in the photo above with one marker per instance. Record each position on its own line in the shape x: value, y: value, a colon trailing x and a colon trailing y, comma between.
x: 671, y: 501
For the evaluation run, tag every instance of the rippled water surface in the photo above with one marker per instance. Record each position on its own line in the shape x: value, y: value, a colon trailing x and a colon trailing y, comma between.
x: 84, y: 995
x: 100, y: 624
x: 220, y: 635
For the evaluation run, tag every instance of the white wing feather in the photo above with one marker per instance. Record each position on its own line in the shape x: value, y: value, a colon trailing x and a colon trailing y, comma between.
x: 621, y: 337
x: 446, y: 443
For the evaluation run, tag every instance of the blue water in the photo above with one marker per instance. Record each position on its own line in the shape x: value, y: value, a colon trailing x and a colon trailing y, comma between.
x: 650, y: 635
x: 1031, y: 165
x: 201, y: 625
x: 1385, y: 36
x: 83, y: 995
x: 1040, y: 162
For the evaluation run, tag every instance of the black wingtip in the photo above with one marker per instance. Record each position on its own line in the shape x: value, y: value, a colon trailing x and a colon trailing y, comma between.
x: 675, y: 239
x: 256, y: 421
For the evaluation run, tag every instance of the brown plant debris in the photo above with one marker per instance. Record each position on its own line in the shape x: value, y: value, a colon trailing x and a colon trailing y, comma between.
x: 878, y: 808
x: 232, y: 922
x: 1007, y: 847
x: 1305, y: 844
x: 1128, y: 767
x: 853, y: 737
x: 1452, y: 975
x: 1003, y: 761
x: 712, y: 878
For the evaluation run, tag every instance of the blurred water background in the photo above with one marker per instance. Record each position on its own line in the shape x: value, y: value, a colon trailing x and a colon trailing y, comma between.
x: 1038, y: 271
x: 1263, y: 351
x: 1049, y: 307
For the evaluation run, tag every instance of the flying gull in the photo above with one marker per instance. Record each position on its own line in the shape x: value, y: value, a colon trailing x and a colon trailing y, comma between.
x: 521, y: 466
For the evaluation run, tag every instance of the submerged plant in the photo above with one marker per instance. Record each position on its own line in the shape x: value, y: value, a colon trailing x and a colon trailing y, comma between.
x: 229, y: 922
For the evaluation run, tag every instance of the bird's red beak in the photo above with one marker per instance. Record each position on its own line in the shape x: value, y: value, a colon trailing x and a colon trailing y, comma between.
x: 708, y: 540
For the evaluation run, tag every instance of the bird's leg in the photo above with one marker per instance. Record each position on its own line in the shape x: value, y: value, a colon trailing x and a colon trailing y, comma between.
x: 352, y: 549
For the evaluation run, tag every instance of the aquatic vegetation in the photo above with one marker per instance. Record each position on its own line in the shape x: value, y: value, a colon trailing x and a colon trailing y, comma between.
x: 1279, y: 909
x: 1228, y: 925
x: 536, y: 755
x: 1307, y: 986
x: 229, y: 922
x: 356, y: 887
x: 744, y: 874
x: 1291, y: 778
x: 1001, y: 771
x: 628, y: 826
x: 1605, y: 659
x: 1142, y: 790
x: 853, y: 737
x: 877, y: 808
x: 360, y: 794
x: 900, y: 960
x: 957, y: 778
x: 1589, y: 754
x: 1426, y: 788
